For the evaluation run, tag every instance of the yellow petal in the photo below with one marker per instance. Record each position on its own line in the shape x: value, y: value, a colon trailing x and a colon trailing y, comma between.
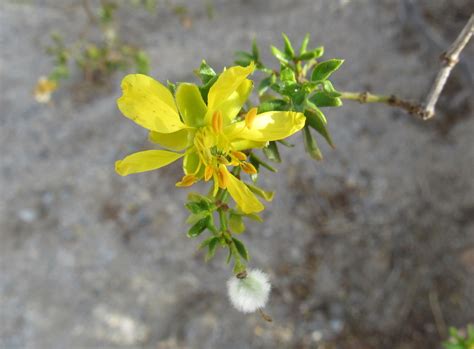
x: 143, y: 161
x: 243, y: 144
x: 242, y: 195
x: 149, y: 104
x: 269, y: 126
x: 216, y: 122
x: 228, y: 82
x: 190, y: 104
x: 231, y: 106
x: 178, y: 140
x: 192, y: 164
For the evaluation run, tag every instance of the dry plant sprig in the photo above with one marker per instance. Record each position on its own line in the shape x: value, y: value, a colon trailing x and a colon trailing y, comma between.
x: 423, y: 110
x: 450, y: 58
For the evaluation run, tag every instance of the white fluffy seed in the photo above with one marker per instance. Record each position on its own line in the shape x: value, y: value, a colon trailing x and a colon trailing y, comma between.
x: 250, y: 293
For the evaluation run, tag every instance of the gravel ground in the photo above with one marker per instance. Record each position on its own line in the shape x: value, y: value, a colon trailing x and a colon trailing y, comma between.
x: 371, y: 248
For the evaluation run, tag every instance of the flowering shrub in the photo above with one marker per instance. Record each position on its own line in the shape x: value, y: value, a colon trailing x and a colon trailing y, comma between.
x: 211, y: 127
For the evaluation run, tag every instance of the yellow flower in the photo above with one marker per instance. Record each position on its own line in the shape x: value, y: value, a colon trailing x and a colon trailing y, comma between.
x: 207, y: 136
x: 43, y: 89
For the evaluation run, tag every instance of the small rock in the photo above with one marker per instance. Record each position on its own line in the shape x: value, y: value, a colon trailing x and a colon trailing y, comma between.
x: 28, y: 215
x: 316, y: 336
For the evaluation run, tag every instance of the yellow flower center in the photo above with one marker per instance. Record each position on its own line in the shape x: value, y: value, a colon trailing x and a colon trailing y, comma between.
x: 215, y: 152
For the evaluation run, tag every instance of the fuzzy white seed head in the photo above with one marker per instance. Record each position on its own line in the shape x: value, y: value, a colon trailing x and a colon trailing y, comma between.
x: 250, y: 293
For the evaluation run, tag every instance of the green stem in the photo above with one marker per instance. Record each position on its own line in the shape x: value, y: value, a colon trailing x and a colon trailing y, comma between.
x: 365, y: 97
x: 261, y: 162
x: 222, y: 219
x: 212, y: 227
x: 236, y: 171
x: 412, y: 108
x: 238, y: 266
x: 221, y: 195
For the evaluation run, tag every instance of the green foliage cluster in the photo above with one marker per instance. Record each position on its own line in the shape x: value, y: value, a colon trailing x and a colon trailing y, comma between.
x: 460, y: 339
x: 98, y: 60
x: 300, y: 84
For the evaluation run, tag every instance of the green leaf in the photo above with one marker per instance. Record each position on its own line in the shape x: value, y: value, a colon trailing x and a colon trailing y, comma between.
x: 236, y: 223
x: 243, y: 58
x: 271, y: 152
x: 298, y: 97
x: 287, y: 75
x: 241, y: 248
x: 267, y: 195
x: 324, y: 69
x: 304, y: 43
x: 193, y: 196
x: 273, y: 104
x: 254, y: 177
x: 205, y: 88
x: 316, y: 119
x: 171, y: 87
x: 255, y: 53
x: 206, y: 242
x: 205, y: 72
x: 313, y: 54
x: 289, y: 51
x: 229, y: 256
x: 282, y: 57
x: 212, y: 247
x: 197, y: 206
x: 285, y: 143
x: 254, y: 217
x: 311, y: 145
x: 321, y: 99
x: 199, y: 227
x: 265, y: 84
x: 195, y: 217
x: 329, y: 89
x: 256, y: 161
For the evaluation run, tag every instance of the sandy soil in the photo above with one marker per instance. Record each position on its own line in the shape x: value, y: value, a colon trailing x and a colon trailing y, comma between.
x: 371, y: 248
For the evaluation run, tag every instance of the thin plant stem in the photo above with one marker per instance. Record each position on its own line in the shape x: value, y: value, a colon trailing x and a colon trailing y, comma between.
x: 449, y: 59
x: 427, y: 110
x: 366, y: 97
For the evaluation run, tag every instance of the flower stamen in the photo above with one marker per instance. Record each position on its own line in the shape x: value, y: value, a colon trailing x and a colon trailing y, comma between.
x: 248, y: 168
x: 239, y: 155
x: 208, y: 172
x: 250, y: 117
x: 222, y: 177
x: 187, y: 181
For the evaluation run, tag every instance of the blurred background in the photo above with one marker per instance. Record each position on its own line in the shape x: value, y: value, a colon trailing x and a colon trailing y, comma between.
x: 373, y: 247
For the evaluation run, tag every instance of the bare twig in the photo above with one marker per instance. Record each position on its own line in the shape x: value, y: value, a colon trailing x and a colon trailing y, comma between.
x: 412, y: 17
x: 437, y: 314
x: 450, y: 58
x: 90, y: 14
x: 425, y: 111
